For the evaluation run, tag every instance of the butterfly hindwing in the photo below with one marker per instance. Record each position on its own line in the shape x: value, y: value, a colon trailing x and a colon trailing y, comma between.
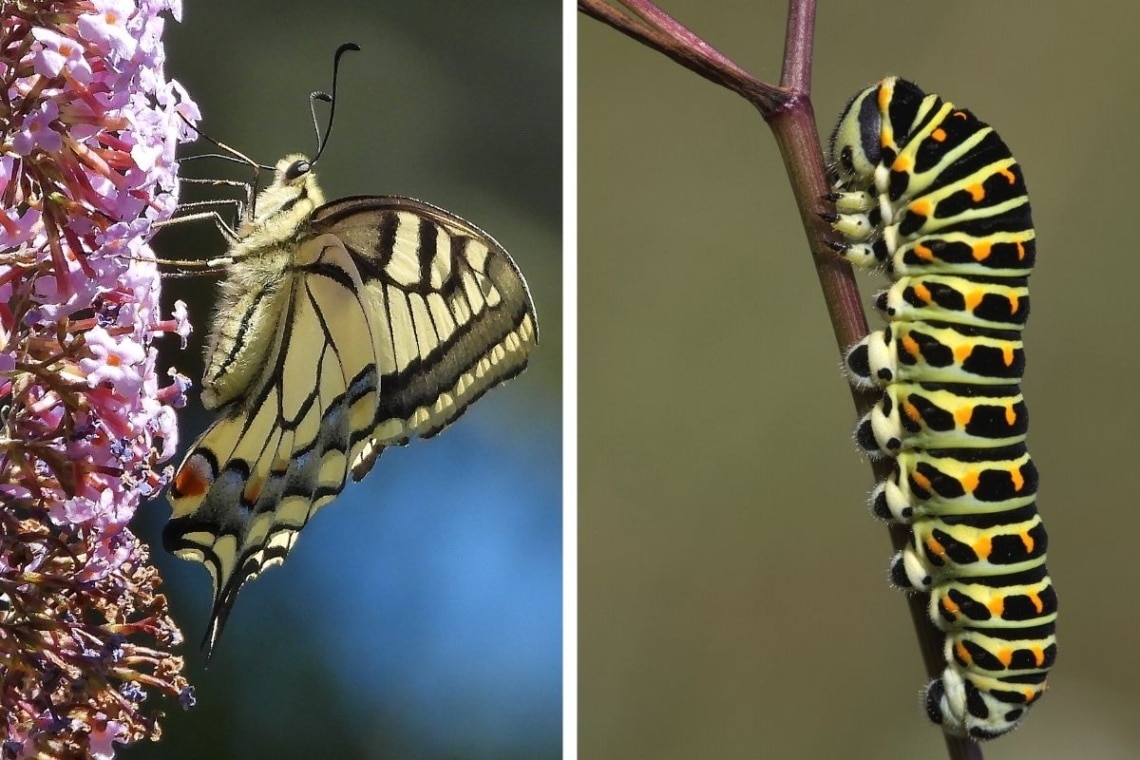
x: 392, y: 316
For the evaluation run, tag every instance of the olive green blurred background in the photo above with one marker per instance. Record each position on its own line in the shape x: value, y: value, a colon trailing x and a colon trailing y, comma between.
x: 733, y: 596
x: 420, y: 615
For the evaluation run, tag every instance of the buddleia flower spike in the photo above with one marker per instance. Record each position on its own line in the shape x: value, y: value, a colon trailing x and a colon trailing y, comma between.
x: 90, y: 124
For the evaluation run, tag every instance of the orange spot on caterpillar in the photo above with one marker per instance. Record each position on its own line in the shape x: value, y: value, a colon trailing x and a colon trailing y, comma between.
x: 886, y: 92
x: 960, y: 115
x: 1037, y: 603
x: 910, y: 345
x: 962, y: 653
x: 1010, y: 176
x: 948, y: 604
x: 1018, y: 480
x: 921, y: 207
x: 964, y: 415
x: 996, y: 606
x: 973, y: 299
x: 977, y: 192
x: 923, y: 293
x: 933, y: 546
x: 1020, y: 251
x: 962, y: 353
x: 983, y: 546
x: 1010, y: 415
x: 923, y: 252
x: 1007, y: 355
x: 1027, y: 541
x: 982, y: 250
x: 938, y: 135
x: 1038, y: 655
x: 901, y: 164
x: 922, y: 481
x: 1014, y: 304
x: 911, y: 412
x: 1004, y: 656
x: 969, y: 481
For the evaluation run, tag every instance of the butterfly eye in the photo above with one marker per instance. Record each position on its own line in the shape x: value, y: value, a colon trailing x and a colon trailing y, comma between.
x: 297, y: 168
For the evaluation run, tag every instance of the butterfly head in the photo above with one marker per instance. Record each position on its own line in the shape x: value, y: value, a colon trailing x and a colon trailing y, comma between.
x: 291, y: 198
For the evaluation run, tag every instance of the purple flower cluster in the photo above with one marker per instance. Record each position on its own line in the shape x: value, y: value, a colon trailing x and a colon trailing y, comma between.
x: 89, y: 125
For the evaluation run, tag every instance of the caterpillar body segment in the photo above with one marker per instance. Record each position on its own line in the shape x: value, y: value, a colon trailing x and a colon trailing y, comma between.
x: 974, y: 545
x: 932, y: 483
x: 1004, y: 700
x: 937, y: 353
x: 933, y: 197
x: 991, y: 303
x: 939, y: 416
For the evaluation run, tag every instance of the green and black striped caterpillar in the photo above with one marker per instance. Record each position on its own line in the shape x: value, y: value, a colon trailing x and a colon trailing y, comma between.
x: 933, y: 196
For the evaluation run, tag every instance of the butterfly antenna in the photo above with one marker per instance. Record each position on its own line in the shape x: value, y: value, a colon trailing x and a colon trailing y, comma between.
x: 235, y: 155
x: 323, y: 140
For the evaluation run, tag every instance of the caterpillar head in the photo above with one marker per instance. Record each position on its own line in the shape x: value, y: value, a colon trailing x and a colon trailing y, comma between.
x: 856, y: 145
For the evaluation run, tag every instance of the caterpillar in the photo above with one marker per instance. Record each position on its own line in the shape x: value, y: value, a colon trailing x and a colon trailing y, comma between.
x: 932, y: 195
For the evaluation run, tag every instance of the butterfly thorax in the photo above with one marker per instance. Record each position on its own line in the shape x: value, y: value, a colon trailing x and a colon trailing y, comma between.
x: 282, y: 210
x: 256, y: 286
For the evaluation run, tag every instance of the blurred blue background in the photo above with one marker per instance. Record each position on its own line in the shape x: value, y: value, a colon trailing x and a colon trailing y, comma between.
x: 420, y: 614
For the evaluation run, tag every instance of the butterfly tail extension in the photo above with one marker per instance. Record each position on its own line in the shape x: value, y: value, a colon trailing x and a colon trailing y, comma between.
x: 288, y: 455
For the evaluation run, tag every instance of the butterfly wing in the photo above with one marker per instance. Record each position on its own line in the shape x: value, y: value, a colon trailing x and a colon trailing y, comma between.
x: 458, y: 318
x: 394, y: 318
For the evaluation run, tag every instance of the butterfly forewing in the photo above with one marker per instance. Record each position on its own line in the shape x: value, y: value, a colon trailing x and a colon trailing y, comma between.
x: 390, y: 318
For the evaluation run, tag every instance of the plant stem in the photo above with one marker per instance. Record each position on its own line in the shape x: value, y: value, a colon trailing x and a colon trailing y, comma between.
x: 684, y: 47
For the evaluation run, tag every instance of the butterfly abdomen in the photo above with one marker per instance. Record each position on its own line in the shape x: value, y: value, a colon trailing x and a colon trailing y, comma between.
x: 251, y: 304
x: 933, y: 195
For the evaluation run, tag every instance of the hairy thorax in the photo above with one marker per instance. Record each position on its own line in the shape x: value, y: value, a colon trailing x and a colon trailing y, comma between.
x: 255, y: 291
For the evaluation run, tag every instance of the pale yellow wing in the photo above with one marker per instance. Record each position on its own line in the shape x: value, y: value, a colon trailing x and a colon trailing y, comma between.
x: 458, y: 318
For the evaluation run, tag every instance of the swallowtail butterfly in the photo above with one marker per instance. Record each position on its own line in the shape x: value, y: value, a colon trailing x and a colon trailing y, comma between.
x: 342, y: 328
